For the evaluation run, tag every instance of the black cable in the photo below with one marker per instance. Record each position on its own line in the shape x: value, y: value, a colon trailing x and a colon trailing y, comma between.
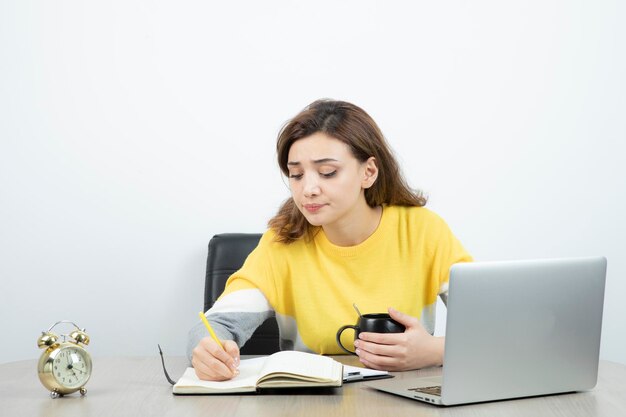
x: 165, y: 370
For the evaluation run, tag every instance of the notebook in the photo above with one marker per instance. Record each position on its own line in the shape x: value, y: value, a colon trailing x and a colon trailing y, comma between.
x: 516, y: 329
x: 286, y: 369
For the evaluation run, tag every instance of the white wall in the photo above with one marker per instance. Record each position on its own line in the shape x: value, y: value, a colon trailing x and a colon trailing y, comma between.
x: 131, y: 132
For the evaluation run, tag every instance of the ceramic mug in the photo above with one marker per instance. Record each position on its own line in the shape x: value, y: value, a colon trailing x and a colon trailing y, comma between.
x: 375, y: 323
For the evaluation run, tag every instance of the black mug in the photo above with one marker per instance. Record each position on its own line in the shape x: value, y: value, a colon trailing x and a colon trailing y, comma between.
x: 375, y: 323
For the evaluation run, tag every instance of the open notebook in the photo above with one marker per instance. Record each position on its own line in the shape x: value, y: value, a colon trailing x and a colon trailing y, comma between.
x: 286, y: 369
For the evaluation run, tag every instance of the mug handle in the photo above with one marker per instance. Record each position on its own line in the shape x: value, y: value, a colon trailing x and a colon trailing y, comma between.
x: 341, y: 329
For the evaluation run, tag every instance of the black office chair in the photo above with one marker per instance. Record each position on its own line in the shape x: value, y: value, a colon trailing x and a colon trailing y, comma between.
x: 227, y: 253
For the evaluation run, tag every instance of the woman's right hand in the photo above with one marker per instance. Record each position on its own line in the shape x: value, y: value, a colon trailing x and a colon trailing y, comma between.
x: 212, y: 363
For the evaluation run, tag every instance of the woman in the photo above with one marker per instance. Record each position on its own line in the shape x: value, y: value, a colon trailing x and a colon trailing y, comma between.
x: 352, y: 232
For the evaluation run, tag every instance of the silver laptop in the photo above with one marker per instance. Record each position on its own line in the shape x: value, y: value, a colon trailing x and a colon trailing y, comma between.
x: 516, y: 329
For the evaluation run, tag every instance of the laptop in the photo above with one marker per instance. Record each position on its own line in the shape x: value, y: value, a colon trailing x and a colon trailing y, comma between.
x: 516, y: 329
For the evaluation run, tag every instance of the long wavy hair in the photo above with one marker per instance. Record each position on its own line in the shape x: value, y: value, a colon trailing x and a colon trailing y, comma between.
x: 353, y: 126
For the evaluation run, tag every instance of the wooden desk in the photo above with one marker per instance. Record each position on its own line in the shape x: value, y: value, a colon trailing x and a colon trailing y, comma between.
x: 135, y: 386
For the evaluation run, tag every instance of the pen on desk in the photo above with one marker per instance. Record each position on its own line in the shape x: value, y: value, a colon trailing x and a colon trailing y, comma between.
x: 210, y: 329
x: 352, y: 376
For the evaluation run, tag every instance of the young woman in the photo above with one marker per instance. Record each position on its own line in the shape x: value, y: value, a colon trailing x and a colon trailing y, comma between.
x: 352, y: 232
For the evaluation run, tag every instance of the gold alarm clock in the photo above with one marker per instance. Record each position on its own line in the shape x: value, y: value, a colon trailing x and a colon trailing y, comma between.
x: 65, y: 366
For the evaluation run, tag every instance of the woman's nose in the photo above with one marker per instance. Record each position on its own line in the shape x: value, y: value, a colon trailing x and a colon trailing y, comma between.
x: 311, y: 187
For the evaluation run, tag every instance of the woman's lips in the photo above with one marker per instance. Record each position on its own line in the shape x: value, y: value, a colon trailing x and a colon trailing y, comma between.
x: 313, y: 208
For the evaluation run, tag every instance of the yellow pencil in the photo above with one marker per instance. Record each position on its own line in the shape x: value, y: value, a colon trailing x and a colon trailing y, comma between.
x: 210, y: 329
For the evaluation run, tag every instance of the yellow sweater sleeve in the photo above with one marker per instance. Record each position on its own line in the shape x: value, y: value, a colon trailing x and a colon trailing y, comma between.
x: 257, y: 271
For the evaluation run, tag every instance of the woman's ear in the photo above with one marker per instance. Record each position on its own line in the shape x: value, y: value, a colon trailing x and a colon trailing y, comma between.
x: 370, y: 173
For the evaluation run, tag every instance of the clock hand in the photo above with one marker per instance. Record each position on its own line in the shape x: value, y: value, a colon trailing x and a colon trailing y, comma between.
x: 71, y: 368
x: 70, y: 363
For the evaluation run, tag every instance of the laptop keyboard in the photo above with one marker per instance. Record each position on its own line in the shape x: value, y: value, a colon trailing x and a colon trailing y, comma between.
x: 434, y: 390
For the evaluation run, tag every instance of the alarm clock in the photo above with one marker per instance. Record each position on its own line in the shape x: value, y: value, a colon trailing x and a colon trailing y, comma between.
x: 64, y: 366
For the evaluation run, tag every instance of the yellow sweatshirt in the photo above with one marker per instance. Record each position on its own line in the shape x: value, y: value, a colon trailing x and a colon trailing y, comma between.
x: 311, y: 285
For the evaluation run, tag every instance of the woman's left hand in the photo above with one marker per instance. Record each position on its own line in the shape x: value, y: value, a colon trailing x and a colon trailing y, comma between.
x: 413, y: 349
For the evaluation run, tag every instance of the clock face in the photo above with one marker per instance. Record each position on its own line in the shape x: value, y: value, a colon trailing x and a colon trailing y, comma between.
x: 71, y: 367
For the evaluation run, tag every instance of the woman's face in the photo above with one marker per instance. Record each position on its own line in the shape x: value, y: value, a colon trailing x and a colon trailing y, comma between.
x: 327, y: 182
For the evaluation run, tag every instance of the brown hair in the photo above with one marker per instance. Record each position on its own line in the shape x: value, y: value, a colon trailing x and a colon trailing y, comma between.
x: 353, y: 126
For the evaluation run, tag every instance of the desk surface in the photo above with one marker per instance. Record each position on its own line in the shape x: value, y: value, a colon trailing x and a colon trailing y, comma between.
x: 135, y: 386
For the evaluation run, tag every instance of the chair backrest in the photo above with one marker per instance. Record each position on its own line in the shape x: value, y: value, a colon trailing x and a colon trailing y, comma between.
x: 227, y: 253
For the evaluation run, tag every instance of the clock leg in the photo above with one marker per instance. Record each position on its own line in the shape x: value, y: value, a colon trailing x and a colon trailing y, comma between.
x: 83, y: 390
x: 54, y: 394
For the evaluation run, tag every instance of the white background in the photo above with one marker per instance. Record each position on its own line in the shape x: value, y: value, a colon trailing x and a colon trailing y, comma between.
x: 131, y: 132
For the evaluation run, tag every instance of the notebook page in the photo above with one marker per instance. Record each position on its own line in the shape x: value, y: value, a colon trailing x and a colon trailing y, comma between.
x: 300, y: 363
x: 249, y: 370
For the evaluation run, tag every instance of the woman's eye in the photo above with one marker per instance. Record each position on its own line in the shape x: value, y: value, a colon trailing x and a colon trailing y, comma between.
x: 295, y: 176
x: 328, y: 174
